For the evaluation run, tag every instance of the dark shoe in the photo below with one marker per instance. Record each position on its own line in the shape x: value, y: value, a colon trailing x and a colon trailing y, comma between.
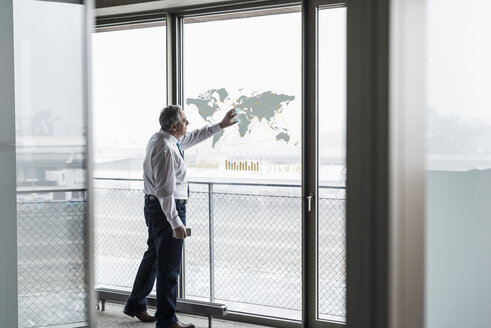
x: 142, y: 316
x: 181, y: 325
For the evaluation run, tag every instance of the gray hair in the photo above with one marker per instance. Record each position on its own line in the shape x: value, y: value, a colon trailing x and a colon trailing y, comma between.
x: 169, y: 115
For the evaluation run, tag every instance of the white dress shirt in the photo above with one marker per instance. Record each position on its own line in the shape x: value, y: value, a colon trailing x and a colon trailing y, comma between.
x: 164, y: 170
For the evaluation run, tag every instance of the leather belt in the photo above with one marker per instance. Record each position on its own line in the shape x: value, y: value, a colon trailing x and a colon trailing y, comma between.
x: 178, y: 201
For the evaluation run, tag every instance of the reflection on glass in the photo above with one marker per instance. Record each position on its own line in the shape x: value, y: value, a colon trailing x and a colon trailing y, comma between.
x: 458, y: 164
x: 129, y: 90
x: 51, y: 152
x: 250, y: 62
x: 458, y: 134
x: 332, y: 165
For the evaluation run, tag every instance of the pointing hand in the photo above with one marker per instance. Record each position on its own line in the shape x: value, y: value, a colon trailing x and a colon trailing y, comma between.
x: 228, y: 119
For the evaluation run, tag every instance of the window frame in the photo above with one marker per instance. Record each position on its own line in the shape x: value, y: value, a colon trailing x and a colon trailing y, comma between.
x: 367, y: 148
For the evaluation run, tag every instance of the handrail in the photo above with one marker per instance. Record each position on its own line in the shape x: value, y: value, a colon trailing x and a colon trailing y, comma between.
x: 211, y: 221
x: 32, y: 191
x: 227, y: 183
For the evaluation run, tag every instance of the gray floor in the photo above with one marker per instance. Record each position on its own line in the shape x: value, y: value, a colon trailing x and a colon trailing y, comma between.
x: 113, y: 317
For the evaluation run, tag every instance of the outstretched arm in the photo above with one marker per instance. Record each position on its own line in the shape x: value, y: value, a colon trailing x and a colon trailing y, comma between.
x: 190, y: 139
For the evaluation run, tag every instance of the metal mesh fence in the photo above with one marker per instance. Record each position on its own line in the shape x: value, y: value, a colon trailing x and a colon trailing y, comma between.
x: 257, y: 245
x: 120, y: 236
x: 255, y: 248
x: 197, y: 247
x: 51, y: 263
x: 332, y: 259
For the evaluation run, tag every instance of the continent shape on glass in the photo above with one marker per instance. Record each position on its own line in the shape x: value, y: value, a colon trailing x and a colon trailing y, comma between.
x: 207, y: 103
x: 263, y: 107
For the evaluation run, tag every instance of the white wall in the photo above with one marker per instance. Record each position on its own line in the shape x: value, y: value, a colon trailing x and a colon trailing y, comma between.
x: 406, y: 163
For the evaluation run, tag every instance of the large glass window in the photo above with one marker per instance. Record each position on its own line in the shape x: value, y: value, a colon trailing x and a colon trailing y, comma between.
x: 247, y: 204
x: 129, y: 87
x: 332, y: 165
x: 129, y: 84
x: 458, y: 164
x: 51, y: 156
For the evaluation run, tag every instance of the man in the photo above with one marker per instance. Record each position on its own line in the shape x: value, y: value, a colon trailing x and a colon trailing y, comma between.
x: 166, y: 190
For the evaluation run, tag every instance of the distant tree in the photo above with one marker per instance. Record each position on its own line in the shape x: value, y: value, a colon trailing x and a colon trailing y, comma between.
x: 43, y: 123
x: 453, y: 134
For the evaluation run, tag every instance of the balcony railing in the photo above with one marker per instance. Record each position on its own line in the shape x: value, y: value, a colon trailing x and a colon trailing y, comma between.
x: 52, y: 257
x: 245, y: 248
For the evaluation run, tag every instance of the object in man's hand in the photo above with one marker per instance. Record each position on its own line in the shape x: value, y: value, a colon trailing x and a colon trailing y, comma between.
x: 188, y: 232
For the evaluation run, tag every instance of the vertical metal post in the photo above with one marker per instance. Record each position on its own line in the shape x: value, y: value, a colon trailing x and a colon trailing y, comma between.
x: 8, y: 202
x: 211, y: 237
x: 172, y: 27
x: 89, y: 212
x: 367, y: 193
x: 309, y: 163
x: 172, y: 46
x: 212, y: 244
x: 181, y: 289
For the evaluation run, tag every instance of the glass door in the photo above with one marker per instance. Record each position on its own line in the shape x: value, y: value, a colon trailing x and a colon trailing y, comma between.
x: 331, y: 110
x: 325, y: 157
x: 285, y: 160
x: 245, y: 201
x: 52, y: 129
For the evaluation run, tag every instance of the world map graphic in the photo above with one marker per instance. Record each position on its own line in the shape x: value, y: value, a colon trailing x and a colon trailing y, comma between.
x: 265, y: 107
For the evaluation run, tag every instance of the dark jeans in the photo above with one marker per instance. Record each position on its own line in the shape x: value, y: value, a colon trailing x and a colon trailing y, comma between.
x: 162, y: 260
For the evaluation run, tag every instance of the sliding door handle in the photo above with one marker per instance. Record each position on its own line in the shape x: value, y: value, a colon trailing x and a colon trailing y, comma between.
x: 309, y: 198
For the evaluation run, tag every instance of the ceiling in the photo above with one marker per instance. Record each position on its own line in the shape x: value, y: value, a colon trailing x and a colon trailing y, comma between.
x: 116, y: 7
